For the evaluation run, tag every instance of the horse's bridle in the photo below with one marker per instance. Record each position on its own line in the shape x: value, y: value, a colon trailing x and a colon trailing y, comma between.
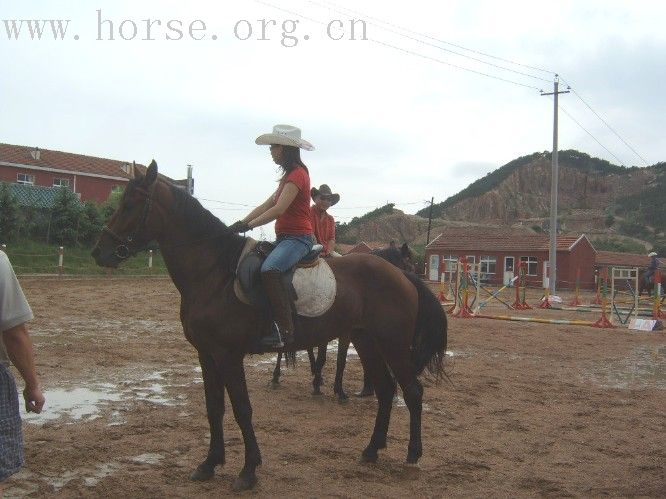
x: 127, y: 247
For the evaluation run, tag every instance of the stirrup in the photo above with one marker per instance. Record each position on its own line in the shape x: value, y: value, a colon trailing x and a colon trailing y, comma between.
x: 273, y: 340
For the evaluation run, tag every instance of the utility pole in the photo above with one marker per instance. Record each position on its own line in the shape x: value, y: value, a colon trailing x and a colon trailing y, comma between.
x: 432, y: 200
x: 190, y: 181
x: 554, y: 177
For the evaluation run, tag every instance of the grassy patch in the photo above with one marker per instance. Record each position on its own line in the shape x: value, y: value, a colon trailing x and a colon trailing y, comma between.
x: 37, y: 258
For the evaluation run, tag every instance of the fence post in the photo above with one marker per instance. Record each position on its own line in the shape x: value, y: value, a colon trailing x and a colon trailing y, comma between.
x: 60, y: 259
x: 150, y: 259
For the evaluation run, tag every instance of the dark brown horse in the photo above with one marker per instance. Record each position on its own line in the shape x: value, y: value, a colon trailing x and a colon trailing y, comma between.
x: 396, y: 322
x: 400, y: 257
x: 649, y: 287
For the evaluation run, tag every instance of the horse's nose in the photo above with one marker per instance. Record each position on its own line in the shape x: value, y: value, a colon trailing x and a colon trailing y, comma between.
x: 95, y: 252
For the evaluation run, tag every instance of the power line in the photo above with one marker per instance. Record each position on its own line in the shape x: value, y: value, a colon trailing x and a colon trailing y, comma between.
x: 336, y: 8
x: 590, y: 134
x: 609, y: 127
x: 411, y: 52
x: 326, y: 5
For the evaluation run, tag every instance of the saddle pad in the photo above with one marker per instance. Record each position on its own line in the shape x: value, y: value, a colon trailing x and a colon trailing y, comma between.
x: 315, y: 288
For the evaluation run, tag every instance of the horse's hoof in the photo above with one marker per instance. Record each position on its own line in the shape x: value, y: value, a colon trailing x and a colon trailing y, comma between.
x: 413, y: 458
x: 274, y: 384
x: 244, y: 483
x: 316, y: 392
x: 202, y: 473
x: 343, y: 398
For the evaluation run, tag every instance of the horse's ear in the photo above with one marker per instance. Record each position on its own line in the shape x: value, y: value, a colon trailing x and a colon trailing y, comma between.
x: 151, y: 173
x: 137, y: 174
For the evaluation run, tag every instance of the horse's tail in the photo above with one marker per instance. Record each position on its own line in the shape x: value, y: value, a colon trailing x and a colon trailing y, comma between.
x: 429, y: 343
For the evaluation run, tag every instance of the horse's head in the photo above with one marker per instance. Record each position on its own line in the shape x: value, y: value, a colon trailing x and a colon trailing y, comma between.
x: 133, y: 224
x: 407, y: 257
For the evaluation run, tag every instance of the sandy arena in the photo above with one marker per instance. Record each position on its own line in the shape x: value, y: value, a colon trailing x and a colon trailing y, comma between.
x: 531, y: 410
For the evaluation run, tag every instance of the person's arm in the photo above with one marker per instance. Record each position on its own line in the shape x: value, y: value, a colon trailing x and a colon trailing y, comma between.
x: 259, y: 210
x: 287, y: 196
x: 331, y: 241
x: 20, y: 351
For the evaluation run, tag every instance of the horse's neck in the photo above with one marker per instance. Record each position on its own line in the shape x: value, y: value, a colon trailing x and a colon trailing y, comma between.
x: 192, y: 260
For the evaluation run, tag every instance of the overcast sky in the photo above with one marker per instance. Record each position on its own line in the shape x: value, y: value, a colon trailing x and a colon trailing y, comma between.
x: 393, y: 118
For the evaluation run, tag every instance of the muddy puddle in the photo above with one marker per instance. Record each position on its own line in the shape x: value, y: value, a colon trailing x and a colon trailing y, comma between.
x: 643, y: 367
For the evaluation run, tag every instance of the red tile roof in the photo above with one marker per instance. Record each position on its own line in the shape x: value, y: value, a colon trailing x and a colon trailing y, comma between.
x: 498, y: 239
x: 67, y: 161
x: 614, y: 258
x: 364, y: 247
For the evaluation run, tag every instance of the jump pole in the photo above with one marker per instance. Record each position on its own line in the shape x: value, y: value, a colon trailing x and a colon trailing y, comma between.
x: 457, y: 298
x: 464, y: 312
x: 536, y: 319
x: 520, y: 303
x: 494, y: 295
x: 657, y: 313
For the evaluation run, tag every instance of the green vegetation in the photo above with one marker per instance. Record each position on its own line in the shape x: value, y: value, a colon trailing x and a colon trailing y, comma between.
x: 570, y: 158
x: 342, y: 229
x: 481, y: 186
x: 31, y: 257
x: 621, y: 246
x: 649, y: 206
x: 33, y: 235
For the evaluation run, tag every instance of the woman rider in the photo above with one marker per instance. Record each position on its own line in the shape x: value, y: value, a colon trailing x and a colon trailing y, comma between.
x: 289, y: 206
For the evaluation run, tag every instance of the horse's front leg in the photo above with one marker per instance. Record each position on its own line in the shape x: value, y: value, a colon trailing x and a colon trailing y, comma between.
x: 234, y: 375
x: 214, y: 393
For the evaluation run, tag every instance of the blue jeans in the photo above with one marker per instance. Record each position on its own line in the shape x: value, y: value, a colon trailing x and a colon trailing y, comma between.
x: 288, y: 252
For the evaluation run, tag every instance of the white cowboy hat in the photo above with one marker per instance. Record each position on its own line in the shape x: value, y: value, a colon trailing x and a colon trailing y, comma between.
x: 285, y: 135
x: 651, y: 254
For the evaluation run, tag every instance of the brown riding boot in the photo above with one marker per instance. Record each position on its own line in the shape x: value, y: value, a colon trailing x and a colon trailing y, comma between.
x: 280, y: 304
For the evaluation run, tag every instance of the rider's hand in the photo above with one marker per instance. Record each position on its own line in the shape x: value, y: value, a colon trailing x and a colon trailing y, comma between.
x: 239, y: 227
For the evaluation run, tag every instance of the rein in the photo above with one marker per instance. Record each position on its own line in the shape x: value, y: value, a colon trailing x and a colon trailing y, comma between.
x: 127, y: 246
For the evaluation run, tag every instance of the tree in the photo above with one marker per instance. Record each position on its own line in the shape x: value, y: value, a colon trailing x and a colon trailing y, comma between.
x: 66, y: 215
x: 9, y: 214
x: 90, y: 223
x: 110, y: 205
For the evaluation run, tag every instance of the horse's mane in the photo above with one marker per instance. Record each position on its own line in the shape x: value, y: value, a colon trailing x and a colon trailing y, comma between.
x: 201, y: 222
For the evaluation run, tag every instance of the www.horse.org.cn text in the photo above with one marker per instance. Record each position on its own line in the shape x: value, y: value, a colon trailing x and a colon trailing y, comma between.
x: 287, y: 32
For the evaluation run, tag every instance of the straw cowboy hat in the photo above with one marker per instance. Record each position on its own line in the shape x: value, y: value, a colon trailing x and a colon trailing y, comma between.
x: 325, y: 191
x: 285, y: 135
x: 651, y: 254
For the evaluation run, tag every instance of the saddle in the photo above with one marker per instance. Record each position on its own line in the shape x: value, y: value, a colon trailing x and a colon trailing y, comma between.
x: 310, y: 282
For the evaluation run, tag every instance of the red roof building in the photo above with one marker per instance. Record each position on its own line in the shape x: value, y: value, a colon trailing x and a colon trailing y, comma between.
x: 90, y: 177
x: 616, y: 259
x: 364, y: 247
x: 499, y: 251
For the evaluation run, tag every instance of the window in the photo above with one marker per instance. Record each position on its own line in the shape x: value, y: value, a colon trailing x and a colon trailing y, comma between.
x: 24, y: 178
x: 488, y: 264
x: 451, y: 266
x: 60, y: 182
x: 531, y: 264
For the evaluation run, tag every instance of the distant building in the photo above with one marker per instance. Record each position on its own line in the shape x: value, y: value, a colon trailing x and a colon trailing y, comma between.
x: 500, y: 250
x: 364, y: 247
x: 607, y: 259
x: 89, y: 177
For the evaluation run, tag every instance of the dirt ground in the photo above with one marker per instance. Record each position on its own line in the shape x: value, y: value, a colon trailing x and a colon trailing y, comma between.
x: 530, y: 410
